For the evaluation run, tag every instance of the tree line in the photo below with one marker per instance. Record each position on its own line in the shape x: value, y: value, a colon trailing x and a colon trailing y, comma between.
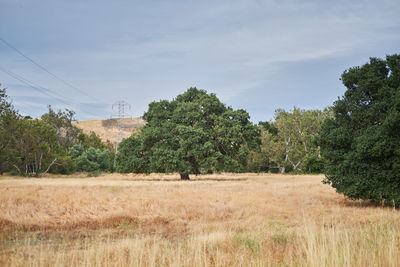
x: 192, y: 134
x: 356, y: 142
x: 196, y: 133
x: 34, y: 147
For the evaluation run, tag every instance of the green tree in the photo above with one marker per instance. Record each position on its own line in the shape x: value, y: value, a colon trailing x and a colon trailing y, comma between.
x: 260, y: 157
x: 36, y: 148
x: 61, y: 121
x: 9, y: 118
x: 361, y: 143
x: 289, y: 142
x: 273, y: 149
x: 192, y: 134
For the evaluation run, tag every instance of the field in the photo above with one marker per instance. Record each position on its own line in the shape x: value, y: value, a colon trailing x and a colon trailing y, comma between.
x: 212, y: 220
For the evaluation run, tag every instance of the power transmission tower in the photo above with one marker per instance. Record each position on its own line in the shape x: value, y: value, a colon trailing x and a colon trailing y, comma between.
x: 120, y: 106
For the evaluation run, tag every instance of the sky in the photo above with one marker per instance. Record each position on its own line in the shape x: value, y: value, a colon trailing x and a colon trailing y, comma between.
x: 254, y: 55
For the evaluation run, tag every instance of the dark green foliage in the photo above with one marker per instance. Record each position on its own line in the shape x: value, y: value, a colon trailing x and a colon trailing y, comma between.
x: 8, y: 124
x: 362, y: 142
x: 64, y: 165
x: 91, y: 159
x: 269, y: 127
x: 314, y: 164
x: 130, y: 157
x: 192, y: 134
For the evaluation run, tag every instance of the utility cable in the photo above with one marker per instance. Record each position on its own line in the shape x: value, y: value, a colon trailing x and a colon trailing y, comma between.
x: 46, y: 70
x: 40, y: 89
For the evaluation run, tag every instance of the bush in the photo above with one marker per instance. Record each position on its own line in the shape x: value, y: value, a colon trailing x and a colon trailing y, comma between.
x: 65, y: 165
x: 91, y: 159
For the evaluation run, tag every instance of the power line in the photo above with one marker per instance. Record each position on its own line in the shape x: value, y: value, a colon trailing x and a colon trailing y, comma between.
x: 25, y: 81
x: 39, y: 88
x: 46, y: 70
x: 43, y: 89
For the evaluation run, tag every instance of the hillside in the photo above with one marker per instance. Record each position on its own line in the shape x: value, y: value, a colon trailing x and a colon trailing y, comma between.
x: 108, y: 129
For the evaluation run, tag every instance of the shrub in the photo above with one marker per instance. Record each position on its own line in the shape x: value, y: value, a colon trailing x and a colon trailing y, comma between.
x: 91, y: 159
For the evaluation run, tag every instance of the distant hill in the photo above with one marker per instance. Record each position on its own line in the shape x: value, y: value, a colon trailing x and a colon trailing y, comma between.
x: 108, y: 129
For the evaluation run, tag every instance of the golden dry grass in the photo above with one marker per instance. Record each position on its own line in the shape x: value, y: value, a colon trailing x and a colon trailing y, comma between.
x: 212, y: 220
x: 110, y: 132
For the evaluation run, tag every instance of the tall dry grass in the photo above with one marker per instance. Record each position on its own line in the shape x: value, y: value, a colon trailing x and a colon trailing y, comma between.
x: 214, y: 220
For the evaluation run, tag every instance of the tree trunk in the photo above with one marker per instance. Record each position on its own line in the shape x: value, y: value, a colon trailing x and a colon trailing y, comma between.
x: 48, y: 168
x: 296, y: 165
x: 282, y: 169
x: 184, y: 176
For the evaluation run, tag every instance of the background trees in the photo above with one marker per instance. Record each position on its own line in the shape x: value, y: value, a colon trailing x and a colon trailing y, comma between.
x: 36, y: 148
x: 289, y: 142
x: 61, y: 121
x: 361, y: 143
x: 194, y: 133
x: 8, y: 119
x: 32, y: 147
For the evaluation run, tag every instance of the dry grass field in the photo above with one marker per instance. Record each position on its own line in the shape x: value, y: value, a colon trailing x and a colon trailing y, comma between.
x: 212, y: 220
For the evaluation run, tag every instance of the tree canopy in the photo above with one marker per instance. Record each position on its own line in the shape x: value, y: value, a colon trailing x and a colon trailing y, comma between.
x: 192, y: 134
x: 361, y: 143
x: 61, y: 121
x: 289, y: 142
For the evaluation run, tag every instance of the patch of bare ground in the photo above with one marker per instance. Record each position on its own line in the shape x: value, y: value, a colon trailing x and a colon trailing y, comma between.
x: 216, y: 220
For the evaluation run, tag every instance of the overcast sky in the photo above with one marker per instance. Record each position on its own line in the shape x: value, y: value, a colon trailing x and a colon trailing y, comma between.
x: 256, y: 55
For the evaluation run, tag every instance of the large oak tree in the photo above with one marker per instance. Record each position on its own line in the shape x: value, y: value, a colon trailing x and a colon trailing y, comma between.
x: 192, y: 134
x: 362, y: 142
